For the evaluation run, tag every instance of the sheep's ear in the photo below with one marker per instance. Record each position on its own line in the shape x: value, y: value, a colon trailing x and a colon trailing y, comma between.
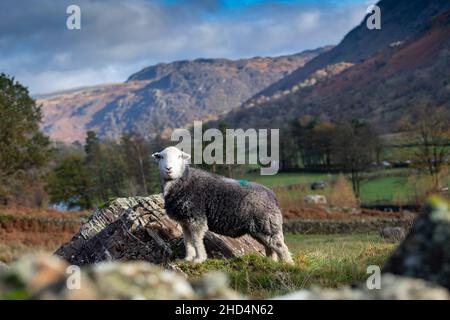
x: 157, y: 156
x: 186, y: 156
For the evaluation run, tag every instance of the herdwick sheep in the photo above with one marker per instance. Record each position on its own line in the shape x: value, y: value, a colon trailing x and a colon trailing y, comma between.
x: 202, y: 201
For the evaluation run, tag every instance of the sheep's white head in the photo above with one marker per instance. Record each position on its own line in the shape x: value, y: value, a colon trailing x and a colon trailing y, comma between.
x: 172, y: 162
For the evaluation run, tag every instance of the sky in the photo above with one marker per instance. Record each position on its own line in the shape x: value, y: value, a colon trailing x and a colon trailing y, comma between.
x: 119, y: 37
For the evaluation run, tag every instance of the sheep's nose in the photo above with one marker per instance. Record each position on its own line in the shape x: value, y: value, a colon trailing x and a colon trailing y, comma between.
x: 168, y: 169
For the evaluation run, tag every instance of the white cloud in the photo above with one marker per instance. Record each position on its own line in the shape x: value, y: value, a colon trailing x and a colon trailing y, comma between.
x: 120, y: 37
x: 307, y: 21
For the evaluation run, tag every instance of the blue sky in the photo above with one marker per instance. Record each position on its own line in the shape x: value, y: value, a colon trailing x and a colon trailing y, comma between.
x: 119, y: 37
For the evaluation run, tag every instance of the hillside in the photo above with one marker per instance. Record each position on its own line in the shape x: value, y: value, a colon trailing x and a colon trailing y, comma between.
x: 380, y: 88
x: 164, y: 96
x: 401, y: 20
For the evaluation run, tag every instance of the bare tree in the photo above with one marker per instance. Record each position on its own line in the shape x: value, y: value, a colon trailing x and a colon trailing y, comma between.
x: 137, y: 151
x: 431, y: 128
x: 354, y: 146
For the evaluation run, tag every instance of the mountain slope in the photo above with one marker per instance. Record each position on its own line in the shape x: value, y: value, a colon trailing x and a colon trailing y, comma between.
x: 166, y: 95
x: 401, y: 20
x: 380, y: 89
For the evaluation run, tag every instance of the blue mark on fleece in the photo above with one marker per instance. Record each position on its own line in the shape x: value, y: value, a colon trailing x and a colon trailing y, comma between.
x: 243, y: 183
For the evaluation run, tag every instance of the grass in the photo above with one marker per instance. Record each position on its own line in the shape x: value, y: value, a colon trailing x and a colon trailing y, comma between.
x: 392, y: 189
x: 322, y: 260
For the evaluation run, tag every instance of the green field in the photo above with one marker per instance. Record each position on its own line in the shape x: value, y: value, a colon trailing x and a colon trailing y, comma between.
x: 285, y: 179
x: 386, y: 190
x: 323, y: 260
x: 387, y: 186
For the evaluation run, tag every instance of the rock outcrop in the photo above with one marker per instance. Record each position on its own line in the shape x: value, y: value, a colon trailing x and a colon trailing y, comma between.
x: 137, y: 228
x: 392, y: 288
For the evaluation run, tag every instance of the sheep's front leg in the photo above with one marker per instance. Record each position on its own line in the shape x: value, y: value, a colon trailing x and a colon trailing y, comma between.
x: 198, y: 230
x: 188, y: 245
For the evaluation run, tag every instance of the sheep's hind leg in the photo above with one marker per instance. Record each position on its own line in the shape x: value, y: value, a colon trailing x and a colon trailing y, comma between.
x: 281, y: 249
x: 269, y: 252
x: 277, y: 247
x: 188, y: 245
x: 198, y: 230
x: 272, y: 254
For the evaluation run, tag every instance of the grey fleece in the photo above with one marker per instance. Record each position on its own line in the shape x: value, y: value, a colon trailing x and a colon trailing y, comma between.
x: 229, y: 208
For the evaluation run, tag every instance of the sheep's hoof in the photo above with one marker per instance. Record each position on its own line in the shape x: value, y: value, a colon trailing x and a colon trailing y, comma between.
x: 289, y: 262
x: 199, y: 260
x: 189, y: 259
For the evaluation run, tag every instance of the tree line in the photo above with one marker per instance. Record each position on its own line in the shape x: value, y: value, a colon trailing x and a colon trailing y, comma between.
x: 354, y: 146
x: 348, y: 146
x: 86, y: 176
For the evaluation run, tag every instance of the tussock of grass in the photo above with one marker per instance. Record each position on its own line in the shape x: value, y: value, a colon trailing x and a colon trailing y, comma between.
x: 323, y: 260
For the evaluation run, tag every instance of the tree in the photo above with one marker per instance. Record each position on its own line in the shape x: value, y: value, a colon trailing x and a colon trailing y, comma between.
x: 140, y: 167
x: 22, y: 146
x: 310, y: 139
x: 322, y: 139
x: 69, y: 183
x: 225, y: 169
x: 106, y: 167
x: 354, y: 147
x: 431, y: 129
x: 136, y: 151
x: 92, y: 146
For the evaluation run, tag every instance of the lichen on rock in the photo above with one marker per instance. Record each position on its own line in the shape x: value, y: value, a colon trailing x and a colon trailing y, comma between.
x: 47, y: 277
x: 425, y: 252
x: 392, y: 288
